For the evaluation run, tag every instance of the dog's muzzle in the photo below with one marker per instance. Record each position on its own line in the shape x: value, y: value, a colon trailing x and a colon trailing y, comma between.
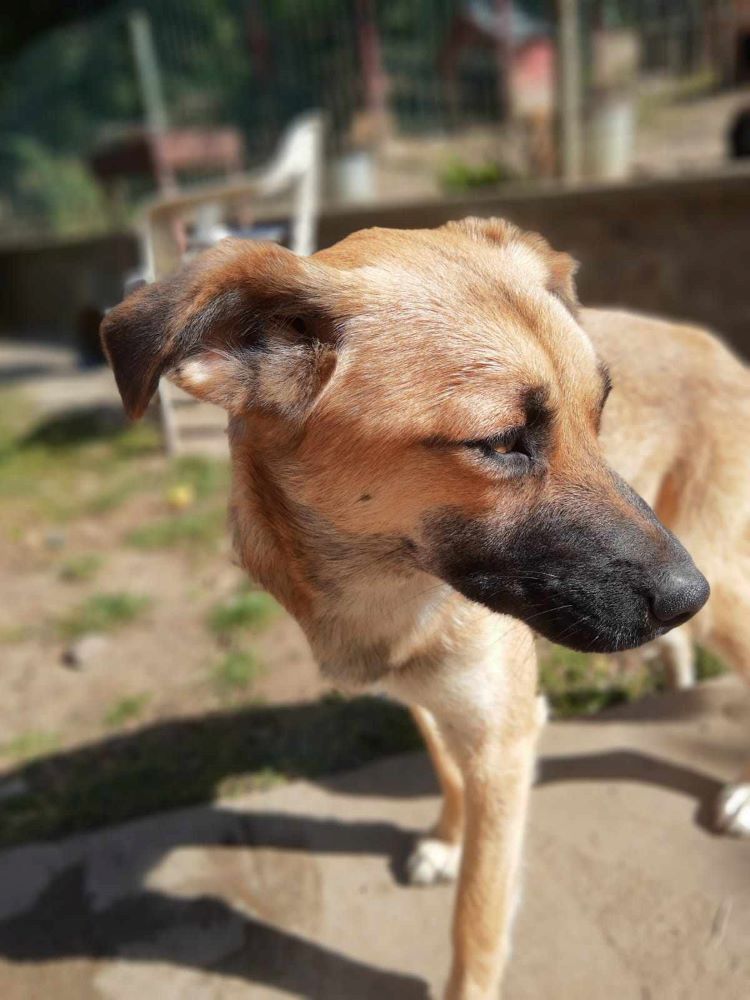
x: 598, y: 580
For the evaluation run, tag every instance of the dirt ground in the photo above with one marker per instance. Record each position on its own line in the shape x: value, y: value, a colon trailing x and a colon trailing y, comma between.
x: 122, y: 612
x: 63, y: 541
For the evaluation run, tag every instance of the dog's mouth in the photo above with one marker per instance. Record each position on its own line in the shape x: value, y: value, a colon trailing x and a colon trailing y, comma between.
x: 582, y: 632
x: 599, y: 583
x: 591, y: 620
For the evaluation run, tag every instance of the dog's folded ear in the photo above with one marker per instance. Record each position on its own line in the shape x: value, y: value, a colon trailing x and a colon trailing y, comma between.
x: 243, y: 325
x: 559, y: 267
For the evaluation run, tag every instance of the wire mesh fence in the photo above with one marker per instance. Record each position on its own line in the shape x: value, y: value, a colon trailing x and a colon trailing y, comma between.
x: 253, y: 64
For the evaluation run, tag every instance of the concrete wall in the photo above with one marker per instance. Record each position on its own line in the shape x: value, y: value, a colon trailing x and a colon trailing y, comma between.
x: 678, y: 247
x: 43, y: 288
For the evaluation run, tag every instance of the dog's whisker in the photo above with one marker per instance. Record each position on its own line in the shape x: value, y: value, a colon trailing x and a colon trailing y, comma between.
x: 547, y: 611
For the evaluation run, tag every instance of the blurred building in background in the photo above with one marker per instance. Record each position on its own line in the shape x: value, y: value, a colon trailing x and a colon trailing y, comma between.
x: 419, y: 95
x: 429, y: 106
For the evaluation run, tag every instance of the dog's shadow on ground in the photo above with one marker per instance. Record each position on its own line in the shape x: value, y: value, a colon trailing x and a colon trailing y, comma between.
x: 205, y: 932
x: 139, y: 922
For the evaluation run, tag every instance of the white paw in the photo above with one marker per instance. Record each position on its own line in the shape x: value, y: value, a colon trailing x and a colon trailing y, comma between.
x: 733, y: 810
x: 433, y: 861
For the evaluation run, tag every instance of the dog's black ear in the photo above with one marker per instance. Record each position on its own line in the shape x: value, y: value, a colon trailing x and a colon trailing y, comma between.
x: 560, y: 268
x: 242, y: 325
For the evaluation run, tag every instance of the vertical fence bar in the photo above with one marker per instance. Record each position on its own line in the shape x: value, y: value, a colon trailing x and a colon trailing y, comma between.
x: 569, y: 89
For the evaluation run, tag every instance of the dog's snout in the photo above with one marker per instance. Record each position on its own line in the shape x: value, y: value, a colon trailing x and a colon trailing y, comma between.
x: 680, y: 593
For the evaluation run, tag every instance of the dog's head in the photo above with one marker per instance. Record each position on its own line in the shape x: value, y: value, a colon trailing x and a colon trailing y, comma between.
x: 432, y: 388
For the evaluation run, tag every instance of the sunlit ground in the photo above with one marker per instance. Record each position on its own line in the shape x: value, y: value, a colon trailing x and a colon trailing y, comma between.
x: 140, y: 670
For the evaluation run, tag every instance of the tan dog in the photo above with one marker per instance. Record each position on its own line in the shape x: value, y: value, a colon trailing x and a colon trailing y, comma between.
x: 416, y: 475
x: 676, y: 428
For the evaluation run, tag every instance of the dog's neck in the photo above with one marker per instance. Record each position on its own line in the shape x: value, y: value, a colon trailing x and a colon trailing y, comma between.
x: 365, y: 606
x: 381, y: 623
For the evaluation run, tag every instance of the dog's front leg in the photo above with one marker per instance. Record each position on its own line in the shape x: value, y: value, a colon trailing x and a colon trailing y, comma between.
x: 489, y: 717
x: 498, y: 770
x: 436, y: 857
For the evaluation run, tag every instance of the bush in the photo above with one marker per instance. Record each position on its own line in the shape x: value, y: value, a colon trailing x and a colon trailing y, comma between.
x: 457, y: 176
x: 55, y: 190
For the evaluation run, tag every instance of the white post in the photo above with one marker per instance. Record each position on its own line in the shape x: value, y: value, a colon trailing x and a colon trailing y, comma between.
x: 152, y: 95
x: 569, y: 90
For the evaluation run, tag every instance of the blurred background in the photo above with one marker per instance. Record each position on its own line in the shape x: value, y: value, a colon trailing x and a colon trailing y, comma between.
x: 139, y: 671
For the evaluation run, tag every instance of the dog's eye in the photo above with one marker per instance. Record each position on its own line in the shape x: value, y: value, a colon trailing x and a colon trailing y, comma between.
x: 506, y: 445
x: 501, y: 447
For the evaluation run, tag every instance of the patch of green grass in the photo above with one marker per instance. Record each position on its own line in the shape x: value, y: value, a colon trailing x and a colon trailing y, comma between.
x: 31, y: 745
x: 143, y: 438
x: 236, y: 672
x: 121, y: 484
x: 97, y: 425
x: 582, y: 684
x: 103, y: 613
x: 126, y: 709
x: 708, y: 665
x: 187, y: 761
x: 249, y: 609
x: 81, y: 568
x: 89, y: 461
x: 253, y: 781
x: 207, y: 477
x: 194, y: 529
x: 57, y: 468
x: 16, y: 414
x: 13, y: 633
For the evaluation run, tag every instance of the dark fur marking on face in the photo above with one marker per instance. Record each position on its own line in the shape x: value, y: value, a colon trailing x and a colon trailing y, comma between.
x: 582, y: 571
x: 539, y: 417
x: 234, y: 301
x: 536, y: 405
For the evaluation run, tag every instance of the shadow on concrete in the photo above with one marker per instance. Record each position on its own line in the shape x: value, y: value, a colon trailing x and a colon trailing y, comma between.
x: 201, y: 933
x: 636, y: 766
x: 191, y: 761
x: 144, y: 924
x: 616, y: 765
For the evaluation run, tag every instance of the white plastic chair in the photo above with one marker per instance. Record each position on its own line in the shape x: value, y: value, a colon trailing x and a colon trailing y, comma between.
x: 206, y: 209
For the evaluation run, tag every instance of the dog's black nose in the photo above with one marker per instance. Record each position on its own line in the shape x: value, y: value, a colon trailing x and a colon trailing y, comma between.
x: 680, y: 593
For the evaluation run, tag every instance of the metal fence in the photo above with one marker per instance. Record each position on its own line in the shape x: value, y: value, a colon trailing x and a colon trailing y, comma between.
x: 253, y: 64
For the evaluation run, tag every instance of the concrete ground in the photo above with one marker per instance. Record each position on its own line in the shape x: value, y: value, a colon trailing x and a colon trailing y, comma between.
x: 297, y: 891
